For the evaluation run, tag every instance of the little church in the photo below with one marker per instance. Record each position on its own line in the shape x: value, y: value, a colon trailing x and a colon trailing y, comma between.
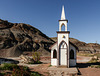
x: 63, y: 52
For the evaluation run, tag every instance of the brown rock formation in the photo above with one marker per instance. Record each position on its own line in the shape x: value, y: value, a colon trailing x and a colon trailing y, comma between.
x: 15, y: 38
x: 84, y: 47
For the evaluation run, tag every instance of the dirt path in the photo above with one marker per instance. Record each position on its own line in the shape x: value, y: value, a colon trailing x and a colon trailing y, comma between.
x: 84, y: 68
x: 42, y: 69
x: 90, y: 71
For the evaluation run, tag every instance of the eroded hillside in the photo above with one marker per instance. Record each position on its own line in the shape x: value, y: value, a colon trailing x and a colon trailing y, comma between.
x: 15, y: 38
x: 82, y: 46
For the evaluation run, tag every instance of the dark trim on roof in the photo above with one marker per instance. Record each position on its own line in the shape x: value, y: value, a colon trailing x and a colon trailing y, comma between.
x: 52, y: 45
x: 63, y: 20
x: 73, y: 45
x: 63, y: 31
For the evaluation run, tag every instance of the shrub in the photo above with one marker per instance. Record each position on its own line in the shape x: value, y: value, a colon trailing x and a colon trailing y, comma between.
x: 36, y: 56
x: 8, y: 66
x: 0, y: 68
x: 35, y: 74
x: 92, y: 66
x: 25, y: 68
x: 21, y: 71
x: 37, y: 62
x: 95, y: 66
x: 2, y: 74
x: 17, y: 70
x: 98, y: 66
x: 49, y: 65
x: 24, y: 71
x: 93, y: 60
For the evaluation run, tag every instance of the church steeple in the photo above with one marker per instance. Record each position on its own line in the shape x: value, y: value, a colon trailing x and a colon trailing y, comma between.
x: 63, y: 53
x: 63, y: 14
x: 63, y: 20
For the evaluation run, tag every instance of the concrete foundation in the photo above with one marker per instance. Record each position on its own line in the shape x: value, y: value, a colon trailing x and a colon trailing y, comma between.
x: 55, y: 71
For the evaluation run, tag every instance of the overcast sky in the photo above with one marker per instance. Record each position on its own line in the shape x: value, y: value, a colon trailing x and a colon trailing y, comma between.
x: 83, y: 16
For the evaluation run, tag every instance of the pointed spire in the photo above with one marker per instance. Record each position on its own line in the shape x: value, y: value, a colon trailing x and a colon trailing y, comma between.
x: 63, y: 14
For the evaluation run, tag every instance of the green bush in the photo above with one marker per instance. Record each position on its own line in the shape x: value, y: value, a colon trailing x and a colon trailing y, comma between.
x: 98, y: 66
x: 92, y: 66
x: 24, y: 71
x: 18, y: 70
x: 35, y: 62
x: 95, y: 66
x: 93, y: 60
x: 8, y: 66
x: 36, y: 56
x: 2, y: 74
x: 21, y: 71
x: 25, y: 68
x: 0, y: 68
x: 49, y: 65
x: 35, y: 74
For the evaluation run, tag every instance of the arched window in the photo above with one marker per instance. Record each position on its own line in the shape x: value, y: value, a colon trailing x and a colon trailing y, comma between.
x: 71, y: 54
x: 63, y: 27
x: 54, y: 54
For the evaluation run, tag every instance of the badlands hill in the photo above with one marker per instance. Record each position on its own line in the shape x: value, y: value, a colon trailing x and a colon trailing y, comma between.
x: 82, y: 46
x: 16, y: 38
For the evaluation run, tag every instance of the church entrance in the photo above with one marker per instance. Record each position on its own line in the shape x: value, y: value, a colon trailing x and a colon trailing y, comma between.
x: 63, y: 54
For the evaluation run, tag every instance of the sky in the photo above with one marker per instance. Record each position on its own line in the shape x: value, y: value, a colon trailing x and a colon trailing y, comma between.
x: 83, y: 16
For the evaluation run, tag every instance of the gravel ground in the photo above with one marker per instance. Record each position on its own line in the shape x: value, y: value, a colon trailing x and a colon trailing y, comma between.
x: 42, y: 69
x: 90, y: 71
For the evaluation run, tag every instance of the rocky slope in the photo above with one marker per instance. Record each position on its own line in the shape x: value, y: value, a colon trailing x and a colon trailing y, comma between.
x: 16, y: 38
x: 84, y: 47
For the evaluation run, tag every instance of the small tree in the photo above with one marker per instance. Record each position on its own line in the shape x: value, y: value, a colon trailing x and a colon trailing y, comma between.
x: 36, y: 56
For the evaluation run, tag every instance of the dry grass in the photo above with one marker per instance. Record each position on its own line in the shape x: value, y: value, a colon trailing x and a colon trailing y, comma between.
x: 89, y: 55
x: 85, y: 54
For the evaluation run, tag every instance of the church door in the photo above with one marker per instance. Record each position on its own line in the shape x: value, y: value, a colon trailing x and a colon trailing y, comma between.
x: 63, y: 53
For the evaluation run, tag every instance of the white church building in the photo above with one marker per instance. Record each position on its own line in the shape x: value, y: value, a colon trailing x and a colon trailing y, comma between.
x: 63, y: 52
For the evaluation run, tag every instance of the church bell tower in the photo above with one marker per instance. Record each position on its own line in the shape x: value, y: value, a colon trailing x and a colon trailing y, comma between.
x: 63, y: 42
